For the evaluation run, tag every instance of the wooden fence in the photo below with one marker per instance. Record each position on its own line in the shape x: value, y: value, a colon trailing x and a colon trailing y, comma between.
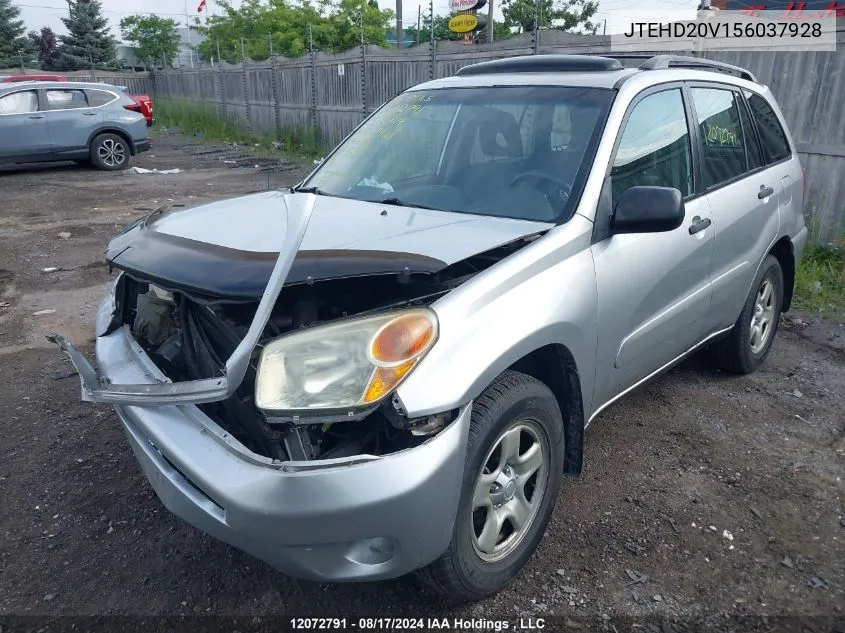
x: 335, y: 93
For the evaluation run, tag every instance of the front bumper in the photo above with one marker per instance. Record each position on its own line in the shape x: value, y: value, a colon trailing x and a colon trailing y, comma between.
x: 335, y: 520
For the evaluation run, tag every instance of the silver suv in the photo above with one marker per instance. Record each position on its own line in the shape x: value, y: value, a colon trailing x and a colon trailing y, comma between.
x: 389, y: 367
x: 84, y: 122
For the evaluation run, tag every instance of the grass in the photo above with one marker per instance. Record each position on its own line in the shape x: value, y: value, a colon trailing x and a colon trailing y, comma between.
x: 204, y: 121
x: 820, y: 279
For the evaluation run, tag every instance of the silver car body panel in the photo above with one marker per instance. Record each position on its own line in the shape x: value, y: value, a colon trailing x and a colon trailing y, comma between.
x: 251, y: 224
x: 626, y: 307
x: 303, y: 517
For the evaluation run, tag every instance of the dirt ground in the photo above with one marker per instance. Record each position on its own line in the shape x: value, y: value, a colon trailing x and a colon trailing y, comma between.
x: 704, y: 498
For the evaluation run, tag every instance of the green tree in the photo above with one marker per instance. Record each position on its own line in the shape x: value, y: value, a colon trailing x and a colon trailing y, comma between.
x: 335, y: 26
x: 15, y: 47
x: 88, y: 42
x: 565, y: 15
x: 156, y: 39
x: 47, y: 47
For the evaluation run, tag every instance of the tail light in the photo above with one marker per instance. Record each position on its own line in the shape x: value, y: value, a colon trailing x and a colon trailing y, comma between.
x: 134, y: 107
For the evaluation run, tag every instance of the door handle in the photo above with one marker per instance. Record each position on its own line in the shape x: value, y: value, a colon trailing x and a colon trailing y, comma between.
x: 765, y: 192
x: 89, y: 114
x: 699, y: 224
x: 36, y: 116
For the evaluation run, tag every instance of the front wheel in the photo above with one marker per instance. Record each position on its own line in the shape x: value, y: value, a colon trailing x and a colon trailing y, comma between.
x: 110, y: 152
x: 511, y: 479
x: 750, y: 341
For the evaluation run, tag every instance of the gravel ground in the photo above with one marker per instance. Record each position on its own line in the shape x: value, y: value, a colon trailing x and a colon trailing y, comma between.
x: 706, y: 499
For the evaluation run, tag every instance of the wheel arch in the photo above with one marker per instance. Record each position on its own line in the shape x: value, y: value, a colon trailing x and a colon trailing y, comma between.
x: 554, y: 365
x: 113, y: 130
x: 783, y: 251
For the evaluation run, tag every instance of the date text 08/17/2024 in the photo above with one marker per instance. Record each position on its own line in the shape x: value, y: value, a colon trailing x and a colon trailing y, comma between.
x: 416, y: 624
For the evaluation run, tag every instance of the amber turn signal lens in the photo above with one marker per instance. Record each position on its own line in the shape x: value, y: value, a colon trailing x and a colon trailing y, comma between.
x: 384, y: 379
x: 402, y: 339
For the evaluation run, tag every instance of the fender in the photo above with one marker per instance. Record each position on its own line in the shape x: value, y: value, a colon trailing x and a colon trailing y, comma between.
x: 545, y: 294
x: 111, y: 129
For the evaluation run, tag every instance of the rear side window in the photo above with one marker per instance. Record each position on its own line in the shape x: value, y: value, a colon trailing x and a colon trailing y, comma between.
x: 66, y: 99
x: 98, y: 98
x: 717, y: 114
x: 772, y: 136
x: 655, y: 146
x: 19, y: 102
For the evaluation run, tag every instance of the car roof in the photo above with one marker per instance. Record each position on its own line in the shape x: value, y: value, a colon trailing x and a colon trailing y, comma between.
x: 569, y: 70
x: 66, y: 85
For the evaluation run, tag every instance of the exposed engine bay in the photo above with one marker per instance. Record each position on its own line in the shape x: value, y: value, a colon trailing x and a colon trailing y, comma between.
x: 190, y: 335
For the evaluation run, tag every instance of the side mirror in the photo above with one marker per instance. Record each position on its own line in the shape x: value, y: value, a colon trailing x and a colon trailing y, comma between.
x: 648, y: 210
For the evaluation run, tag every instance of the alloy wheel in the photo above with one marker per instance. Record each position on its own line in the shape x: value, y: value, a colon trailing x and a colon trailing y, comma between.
x: 112, y: 152
x: 762, y: 320
x: 509, y: 490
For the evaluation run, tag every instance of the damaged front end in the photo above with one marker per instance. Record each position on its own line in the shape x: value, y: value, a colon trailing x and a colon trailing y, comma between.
x: 206, y: 342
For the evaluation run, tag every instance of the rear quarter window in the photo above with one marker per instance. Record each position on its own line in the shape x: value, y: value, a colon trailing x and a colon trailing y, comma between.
x: 772, y: 136
x: 97, y: 98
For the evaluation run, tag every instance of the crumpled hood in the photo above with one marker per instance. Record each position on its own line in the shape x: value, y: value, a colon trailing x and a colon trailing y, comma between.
x: 228, y: 248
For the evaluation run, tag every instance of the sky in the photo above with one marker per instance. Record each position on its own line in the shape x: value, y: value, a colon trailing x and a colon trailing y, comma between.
x: 38, y: 13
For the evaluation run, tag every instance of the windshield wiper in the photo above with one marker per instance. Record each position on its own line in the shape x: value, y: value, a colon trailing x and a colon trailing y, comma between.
x: 316, y: 191
x: 401, y: 203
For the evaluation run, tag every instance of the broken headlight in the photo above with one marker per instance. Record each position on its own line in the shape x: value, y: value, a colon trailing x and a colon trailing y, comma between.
x: 353, y: 363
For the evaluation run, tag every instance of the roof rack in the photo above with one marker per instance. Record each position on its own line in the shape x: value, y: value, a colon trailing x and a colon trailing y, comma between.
x: 543, y: 64
x: 662, y: 62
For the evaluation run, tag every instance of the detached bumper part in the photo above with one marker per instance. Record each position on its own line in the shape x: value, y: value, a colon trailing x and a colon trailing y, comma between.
x: 359, y: 518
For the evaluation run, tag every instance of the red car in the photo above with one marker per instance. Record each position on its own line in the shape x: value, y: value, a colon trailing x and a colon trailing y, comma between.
x: 145, y: 103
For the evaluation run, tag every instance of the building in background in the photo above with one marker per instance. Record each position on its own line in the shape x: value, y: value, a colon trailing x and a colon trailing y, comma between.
x: 187, y: 56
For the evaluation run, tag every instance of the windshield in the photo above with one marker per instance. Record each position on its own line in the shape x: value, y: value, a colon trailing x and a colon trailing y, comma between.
x: 519, y: 152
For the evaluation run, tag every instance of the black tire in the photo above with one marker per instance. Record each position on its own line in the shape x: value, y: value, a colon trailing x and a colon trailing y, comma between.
x: 110, y: 152
x: 736, y: 354
x: 511, y: 401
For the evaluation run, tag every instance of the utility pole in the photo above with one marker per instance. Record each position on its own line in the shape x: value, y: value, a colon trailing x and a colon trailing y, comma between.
x: 419, y: 19
x: 400, y: 35
x: 490, y: 21
x: 219, y: 59
x: 270, y: 40
x: 604, y: 29
x: 243, y: 54
x: 534, y: 33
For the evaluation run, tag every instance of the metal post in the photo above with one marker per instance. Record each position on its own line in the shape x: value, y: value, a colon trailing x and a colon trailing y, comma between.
x: 313, y: 77
x: 219, y: 59
x: 604, y: 29
x: 432, y: 67
x: 490, y: 21
x: 400, y: 33
x: 363, y: 68
x: 419, y: 16
x: 246, y: 88
x: 270, y: 40
x: 534, y: 33
x: 222, y: 109
x: 274, y: 82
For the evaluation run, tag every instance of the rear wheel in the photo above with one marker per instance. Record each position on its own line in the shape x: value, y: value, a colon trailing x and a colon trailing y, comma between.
x: 110, y: 152
x: 511, y: 480
x: 750, y: 341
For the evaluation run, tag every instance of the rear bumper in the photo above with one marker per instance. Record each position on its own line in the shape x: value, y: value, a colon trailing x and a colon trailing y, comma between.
x: 143, y: 146
x: 799, y: 242
x: 335, y: 520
